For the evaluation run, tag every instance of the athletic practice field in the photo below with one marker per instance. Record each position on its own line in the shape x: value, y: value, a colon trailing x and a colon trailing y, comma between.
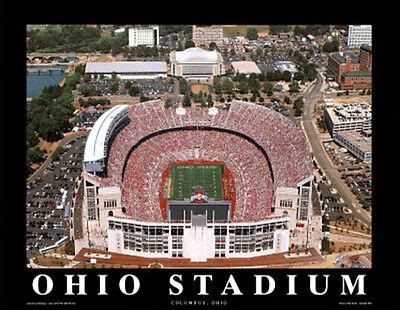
x: 186, y: 179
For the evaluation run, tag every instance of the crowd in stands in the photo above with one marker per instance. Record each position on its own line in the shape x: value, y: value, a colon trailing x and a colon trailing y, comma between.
x: 281, y: 139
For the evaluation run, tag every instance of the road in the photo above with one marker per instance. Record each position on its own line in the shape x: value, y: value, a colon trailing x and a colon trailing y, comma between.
x: 322, y: 158
x: 349, y: 239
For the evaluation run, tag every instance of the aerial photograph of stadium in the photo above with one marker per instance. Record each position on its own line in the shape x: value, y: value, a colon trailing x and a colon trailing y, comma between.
x: 215, y: 146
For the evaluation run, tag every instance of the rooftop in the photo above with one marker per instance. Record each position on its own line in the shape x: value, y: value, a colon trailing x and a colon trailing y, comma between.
x: 349, y: 112
x: 95, y: 145
x: 341, y: 57
x: 245, y: 67
x: 195, y: 54
x: 357, y: 74
x: 358, y: 139
x: 126, y: 67
x: 366, y: 47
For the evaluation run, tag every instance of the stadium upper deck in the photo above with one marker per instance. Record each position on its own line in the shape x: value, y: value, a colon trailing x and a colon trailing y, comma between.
x: 282, y: 141
x: 236, y: 136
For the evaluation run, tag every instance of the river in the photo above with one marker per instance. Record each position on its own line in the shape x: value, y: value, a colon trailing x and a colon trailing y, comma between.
x: 36, y: 82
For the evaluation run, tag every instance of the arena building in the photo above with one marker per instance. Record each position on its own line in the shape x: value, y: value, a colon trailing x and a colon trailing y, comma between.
x: 197, y: 183
x: 128, y: 70
x: 196, y: 64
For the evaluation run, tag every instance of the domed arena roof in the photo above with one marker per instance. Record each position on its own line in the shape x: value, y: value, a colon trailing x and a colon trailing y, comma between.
x: 195, y: 54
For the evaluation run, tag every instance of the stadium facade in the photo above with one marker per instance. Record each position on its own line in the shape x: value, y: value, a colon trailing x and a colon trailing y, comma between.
x: 258, y: 204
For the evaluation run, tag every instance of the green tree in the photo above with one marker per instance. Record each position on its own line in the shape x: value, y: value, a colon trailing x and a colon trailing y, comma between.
x: 189, y: 43
x: 210, y: 101
x: 217, y: 85
x: 228, y: 86
x: 186, y: 100
x: 243, y: 87
x: 183, y: 86
x: 114, y: 87
x: 128, y: 85
x: 287, y: 100
x: 134, y: 91
x: 268, y: 88
x: 331, y: 46
x: 212, y: 46
x: 31, y: 137
x: 294, y: 87
x: 252, y: 33
x: 35, y: 155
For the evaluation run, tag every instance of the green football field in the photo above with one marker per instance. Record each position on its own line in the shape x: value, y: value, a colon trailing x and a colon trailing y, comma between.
x: 186, y: 179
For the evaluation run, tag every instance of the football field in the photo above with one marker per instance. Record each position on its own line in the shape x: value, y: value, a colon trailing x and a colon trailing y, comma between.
x: 186, y: 179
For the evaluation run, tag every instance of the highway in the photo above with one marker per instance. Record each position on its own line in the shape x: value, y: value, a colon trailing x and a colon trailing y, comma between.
x: 311, y: 97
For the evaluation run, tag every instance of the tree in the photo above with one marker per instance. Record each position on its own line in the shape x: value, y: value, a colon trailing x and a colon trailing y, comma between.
x: 217, y: 85
x: 183, y: 86
x: 212, y: 46
x: 114, y: 87
x: 252, y: 33
x: 35, y: 155
x: 189, y: 43
x: 31, y: 137
x: 294, y: 87
x: 243, y: 87
x: 298, y: 76
x: 298, y: 105
x: 268, y: 88
x: 254, y: 84
x: 331, y: 46
x: 186, y: 100
x: 288, y: 101
x: 210, y: 101
x: 277, y: 29
x: 168, y: 103
x: 134, y: 91
x: 228, y: 86
x: 113, y: 76
x: 286, y: 76
x: 128, y: 85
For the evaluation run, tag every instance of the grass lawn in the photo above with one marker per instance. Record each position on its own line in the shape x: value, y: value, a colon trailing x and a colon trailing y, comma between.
x: 241, y: 30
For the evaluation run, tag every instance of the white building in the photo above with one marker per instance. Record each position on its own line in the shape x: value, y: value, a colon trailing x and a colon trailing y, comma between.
x: 358, y: 143
x: 354, y: 116
x: 196, y: 64
x: 359, y: 35
x: 129, y: 70
x: 147, y: 36
x: 245, y: 67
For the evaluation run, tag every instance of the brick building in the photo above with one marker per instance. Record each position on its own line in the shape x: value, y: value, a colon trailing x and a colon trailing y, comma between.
x: 357, y: 80
x: 366, y: 58
x: 340, y: 63
x: 352, y: 72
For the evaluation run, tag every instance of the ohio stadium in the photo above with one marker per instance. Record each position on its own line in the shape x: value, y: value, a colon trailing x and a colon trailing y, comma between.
x: 196, y: 183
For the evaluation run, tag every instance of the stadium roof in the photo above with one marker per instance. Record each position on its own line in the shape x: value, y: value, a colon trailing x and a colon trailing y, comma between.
x: 126, y: 67
x: 245, y: 67
x: 195, y: 55
x: 95, y: 145
x: 341, y: 57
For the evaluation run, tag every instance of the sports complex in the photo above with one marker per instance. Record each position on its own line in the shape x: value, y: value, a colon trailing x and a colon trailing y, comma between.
x: 196, y: 183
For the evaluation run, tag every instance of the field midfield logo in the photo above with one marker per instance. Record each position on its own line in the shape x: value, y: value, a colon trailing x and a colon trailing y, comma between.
x: 198, y: 196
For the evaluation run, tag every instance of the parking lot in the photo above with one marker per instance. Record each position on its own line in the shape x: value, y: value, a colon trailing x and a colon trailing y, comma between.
x: 356, y: 173
x: 159, y: 86
x: 49, y: 198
